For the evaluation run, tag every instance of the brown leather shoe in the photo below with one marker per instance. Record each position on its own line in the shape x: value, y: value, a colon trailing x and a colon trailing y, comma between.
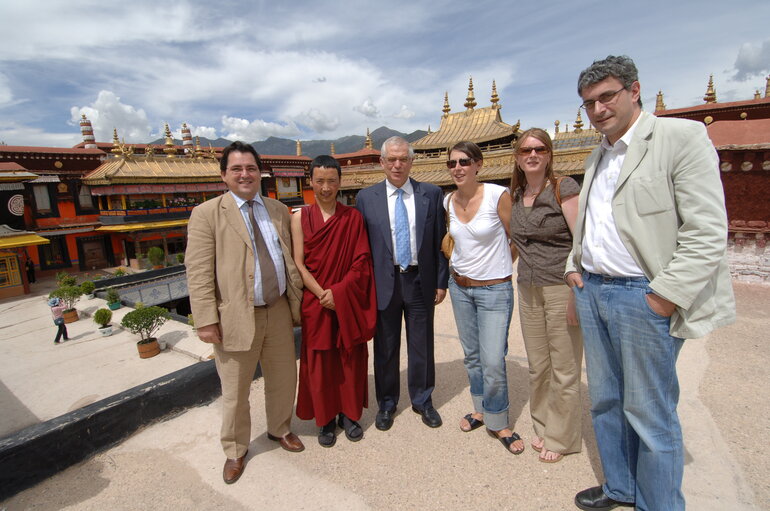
x: 289, y: 442
x: 234, y: 468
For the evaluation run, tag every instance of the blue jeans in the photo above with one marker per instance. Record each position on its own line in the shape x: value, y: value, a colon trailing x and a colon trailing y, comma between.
x: 483, y: 315
x: 632, y: 381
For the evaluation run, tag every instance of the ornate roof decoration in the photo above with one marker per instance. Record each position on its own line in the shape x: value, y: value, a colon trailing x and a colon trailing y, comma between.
x: 495, y: 98
x: 170, y: 150
x: 299, y: 148
x: 368, y: 141
x: 198, y: 151
x: 556, y: 126
x: 332, y: 148
x: 88, y: 133
x: 659, y: 104
x: 446, y: 108
x: 711, y: 92
x: 187, y: 142
x: 470, y: 101
x: 149, y: 170
x: 115, y: 142
x: 578, y: 123
x: 757, y: 95
x: 767, y: 87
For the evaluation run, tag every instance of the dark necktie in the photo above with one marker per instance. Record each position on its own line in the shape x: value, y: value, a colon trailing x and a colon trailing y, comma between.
x: 270, y: 290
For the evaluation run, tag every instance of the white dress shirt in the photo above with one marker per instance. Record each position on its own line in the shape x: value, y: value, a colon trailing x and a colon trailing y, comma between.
x: 392, y: 192
x: 270, y: 236
x: 603, y: 250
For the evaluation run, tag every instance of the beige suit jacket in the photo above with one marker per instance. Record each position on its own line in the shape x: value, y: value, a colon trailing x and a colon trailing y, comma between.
x: 669, y: 210
x: 220, y: 268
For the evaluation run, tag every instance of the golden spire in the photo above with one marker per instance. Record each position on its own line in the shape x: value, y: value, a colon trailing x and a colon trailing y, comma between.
x: 299, y: 148
x: 711, y: 93
x: 332, y: 148
x: 170, y: 150
x: 368, y: 142
x: 659, y: 104
x: 446, y: 108
x: 757, y: 95
x: 495, y: 98
x: 767, y: 87
x: 198, y: 150
x: 556, y: 126
x: 578, y: 123
x: 115, y: 142
x: 470, y: 101
x: 429, y: 131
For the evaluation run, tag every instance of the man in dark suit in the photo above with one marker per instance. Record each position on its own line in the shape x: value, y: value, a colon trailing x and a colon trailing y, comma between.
x: 245, y: 293
x: 405, y: 220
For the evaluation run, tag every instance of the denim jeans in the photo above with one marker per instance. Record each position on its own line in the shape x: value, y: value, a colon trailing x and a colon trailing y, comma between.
x: 632, y: 381
x: 483, y: 315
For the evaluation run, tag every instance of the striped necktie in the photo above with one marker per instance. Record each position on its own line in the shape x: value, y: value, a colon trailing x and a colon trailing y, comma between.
x: 270, y: 289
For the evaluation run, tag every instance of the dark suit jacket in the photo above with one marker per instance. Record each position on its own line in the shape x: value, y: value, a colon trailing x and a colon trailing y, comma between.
x: 220, y: 268
x: 430, y: 225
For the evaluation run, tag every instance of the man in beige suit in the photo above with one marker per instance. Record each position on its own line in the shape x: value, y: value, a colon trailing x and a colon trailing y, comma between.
x: 649, y: 269
x: 245, y: 295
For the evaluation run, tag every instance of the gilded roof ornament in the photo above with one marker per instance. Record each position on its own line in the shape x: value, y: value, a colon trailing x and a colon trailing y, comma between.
x: 516, y: 126
x: 757, y: 95
x: 470, y: 101
x: 767, y: 87
x: 578, y: 123
x: 495, y: 98
x: 368, y: 142
x: 556, y: 126
x: 299, y: 148
x: 659, y: 104
x: 331, y: 148
x: 429, y: 131
x: 170, y: 150
x: 198, y: 151
x: 212, y: 152
x: 115, y: 142
x: 446, y: 108
x: 149, y: 152
x: 711, y: 92
x: 126, y: 151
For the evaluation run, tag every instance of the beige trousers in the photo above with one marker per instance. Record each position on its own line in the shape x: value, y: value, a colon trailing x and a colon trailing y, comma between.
x: 555, y: 354
x: 273, y: 348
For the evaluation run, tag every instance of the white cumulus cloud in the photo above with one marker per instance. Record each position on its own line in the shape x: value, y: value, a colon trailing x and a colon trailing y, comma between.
x: 251, y: 131
x: 108, y: 113
x: 752, y: 60
x: 368, y: 108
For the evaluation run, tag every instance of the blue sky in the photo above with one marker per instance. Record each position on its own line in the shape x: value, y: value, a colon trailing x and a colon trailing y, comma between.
x: 324, y: 69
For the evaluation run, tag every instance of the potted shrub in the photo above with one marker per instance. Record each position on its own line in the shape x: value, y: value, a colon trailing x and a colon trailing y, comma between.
x: 145, y: 322
x: 88, y: 288
x: 180, y: 258
x: 157, y: 257
x: 69, y: 295
x: 102, y: 317
x: 113, y: 299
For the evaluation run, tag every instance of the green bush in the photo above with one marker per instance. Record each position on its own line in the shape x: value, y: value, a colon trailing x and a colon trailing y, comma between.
x: 113, y: 296
x: 102, y: 317
x: 65, y: 279
x: 68, y: 294
x: 87, y: 287
x: 180, y: 258
x: 145, y: 322
x: 119, y: 272
x: 156, y: 255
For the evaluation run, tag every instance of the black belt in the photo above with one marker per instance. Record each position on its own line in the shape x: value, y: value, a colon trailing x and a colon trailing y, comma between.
x: 408, y: 269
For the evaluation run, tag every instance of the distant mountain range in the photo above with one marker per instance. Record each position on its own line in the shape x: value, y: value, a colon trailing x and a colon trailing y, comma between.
x: 312, y: 148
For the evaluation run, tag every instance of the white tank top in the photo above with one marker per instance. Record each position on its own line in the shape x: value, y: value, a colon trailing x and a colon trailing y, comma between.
x: 481, y: 246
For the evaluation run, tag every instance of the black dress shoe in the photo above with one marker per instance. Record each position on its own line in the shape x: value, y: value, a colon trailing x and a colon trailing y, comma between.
x: 594, y: 499
x: 327, y: 436
x: 384, y: 419
x: 430, y: 416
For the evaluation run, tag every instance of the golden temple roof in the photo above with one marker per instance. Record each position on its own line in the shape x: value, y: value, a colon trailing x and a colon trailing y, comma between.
x: 143, y: 170
x: 480, y: 125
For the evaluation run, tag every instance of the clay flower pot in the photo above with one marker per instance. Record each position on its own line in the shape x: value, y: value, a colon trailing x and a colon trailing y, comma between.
x: 70, y: 316
x: 148, y: 347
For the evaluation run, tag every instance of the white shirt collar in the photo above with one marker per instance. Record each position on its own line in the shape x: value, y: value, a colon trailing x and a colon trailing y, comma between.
x: 240, y: 202
x: 407, y: 187
x: 625, y: 139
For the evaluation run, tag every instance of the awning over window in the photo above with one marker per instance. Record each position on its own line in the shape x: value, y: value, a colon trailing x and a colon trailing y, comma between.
x: 288, y: 173
x: 144, y: 226
x: 22, y: 240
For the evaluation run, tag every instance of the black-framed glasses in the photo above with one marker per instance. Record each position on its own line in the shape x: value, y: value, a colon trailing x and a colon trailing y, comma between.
x: 604, y: 99
x: 525, y: 151
x: 464, y: 162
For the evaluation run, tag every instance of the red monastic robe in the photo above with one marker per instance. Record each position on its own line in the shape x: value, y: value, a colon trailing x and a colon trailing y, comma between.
x: 334, y: 355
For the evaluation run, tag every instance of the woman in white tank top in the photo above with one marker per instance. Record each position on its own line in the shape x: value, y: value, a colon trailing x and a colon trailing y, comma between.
x: 481, y: 290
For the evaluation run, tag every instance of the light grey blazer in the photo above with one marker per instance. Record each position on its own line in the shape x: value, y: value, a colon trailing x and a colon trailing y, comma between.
x: 669, y: 209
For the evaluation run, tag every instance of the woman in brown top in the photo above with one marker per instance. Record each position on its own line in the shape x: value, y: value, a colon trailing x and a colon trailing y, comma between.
x: 542, y: 218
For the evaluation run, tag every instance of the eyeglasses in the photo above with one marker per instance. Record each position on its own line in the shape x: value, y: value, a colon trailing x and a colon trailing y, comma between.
x: 464, y: 162
x: 392, y: 159
x: 604, y: 99
x: 251, y: 169
x: 525, y: 151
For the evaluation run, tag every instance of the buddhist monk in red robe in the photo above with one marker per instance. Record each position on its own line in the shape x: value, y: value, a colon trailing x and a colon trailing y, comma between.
x: 339, y: 307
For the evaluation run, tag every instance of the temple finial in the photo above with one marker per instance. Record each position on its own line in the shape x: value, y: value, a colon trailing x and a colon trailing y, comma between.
x: 556, y: 126
x: 711, y: 92
x: 446, y: 108
x: 187, y: 143
x: 299, y: 148
x: 495, y: 98
x: 198, y: 150
x: 88, y: 133
x: 368, y: 142
x: 767, y: 87
x: 115, y: 142
x: 578, y: 123
x: 757, y: 95
x: 470, y: 101
x: 331, y: 149
x: 659, y: 104
x: 170, y: 150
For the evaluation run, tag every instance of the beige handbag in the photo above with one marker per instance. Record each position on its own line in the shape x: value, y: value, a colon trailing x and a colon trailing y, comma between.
x: 448, y: 243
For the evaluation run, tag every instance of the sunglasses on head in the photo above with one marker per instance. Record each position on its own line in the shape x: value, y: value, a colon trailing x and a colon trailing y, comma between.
x: 464, y: 162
